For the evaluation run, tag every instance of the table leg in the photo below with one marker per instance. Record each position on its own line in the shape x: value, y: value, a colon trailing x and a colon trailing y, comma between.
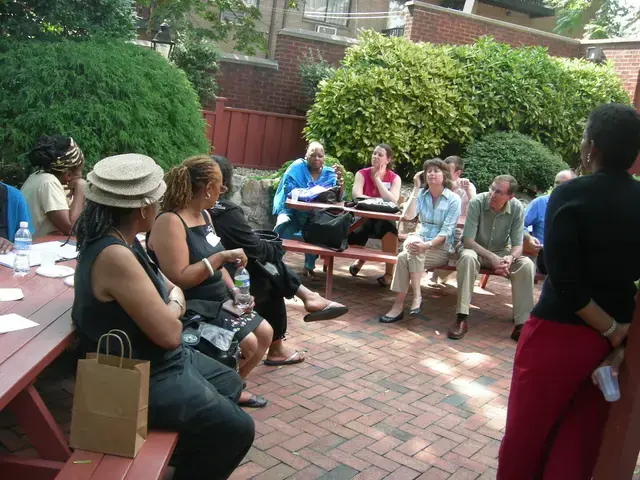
x: 329, y: 284
x: 390, y: 246
x: 39, y: 426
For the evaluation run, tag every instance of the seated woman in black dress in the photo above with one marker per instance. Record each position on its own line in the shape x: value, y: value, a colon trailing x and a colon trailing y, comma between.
x: 117, y: 287
x: 190, y: 254
x: 269, y: 290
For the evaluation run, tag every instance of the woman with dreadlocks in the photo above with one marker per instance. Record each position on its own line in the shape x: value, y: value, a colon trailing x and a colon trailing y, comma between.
x: 187, y: 250
x: 117, y: 287
x: 58, y: 161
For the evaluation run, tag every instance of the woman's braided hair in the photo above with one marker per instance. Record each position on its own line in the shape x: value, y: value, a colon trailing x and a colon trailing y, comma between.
x: 184, y: 181
x: 96, y: 220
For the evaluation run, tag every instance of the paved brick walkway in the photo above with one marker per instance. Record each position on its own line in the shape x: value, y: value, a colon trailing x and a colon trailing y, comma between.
x: 371, y: 401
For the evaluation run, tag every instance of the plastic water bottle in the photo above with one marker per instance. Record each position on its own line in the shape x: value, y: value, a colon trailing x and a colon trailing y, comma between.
x: 22, y: 245
x: 241, y: 281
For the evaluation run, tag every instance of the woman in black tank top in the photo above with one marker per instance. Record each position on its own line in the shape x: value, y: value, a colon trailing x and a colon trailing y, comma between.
x: 190, y: 254
x: 117, y: 287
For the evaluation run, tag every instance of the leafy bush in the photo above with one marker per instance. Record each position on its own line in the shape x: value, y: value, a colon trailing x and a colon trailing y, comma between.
x: 198, y: 56
x: 111, y: 97
x: 423, y: 99
x: 532, y: 164
x: 53, y: 19
x: 313, y: 70
x: 328, y: 161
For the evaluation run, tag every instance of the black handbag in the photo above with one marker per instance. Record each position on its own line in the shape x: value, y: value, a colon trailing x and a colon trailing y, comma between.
x: 213, y: 341
x: 376, y: 205
x: 328, y: 230
x: 332, y: 195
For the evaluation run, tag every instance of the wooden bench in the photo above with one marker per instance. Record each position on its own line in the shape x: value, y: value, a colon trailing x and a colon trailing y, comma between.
x: 485, y: 272
x: 150, y: 463
x: 354, y: 253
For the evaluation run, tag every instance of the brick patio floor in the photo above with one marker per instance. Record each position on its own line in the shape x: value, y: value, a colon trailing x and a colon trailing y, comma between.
x: 371, y: 401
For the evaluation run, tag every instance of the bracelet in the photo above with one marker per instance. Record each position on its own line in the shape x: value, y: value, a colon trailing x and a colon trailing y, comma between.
x: 429, y: 245
x: 208, y: 265
x: 180, y: 304
x: 611, y: 329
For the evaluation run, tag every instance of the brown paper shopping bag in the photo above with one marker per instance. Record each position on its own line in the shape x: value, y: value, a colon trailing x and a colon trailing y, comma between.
x: 110, y: 402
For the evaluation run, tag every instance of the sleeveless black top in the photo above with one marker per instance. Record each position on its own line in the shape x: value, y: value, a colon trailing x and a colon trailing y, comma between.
x: 93, y: 318
x: 213, y: 288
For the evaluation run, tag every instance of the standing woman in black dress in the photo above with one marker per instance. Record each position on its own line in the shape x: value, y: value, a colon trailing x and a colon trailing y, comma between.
x: 556, y: 415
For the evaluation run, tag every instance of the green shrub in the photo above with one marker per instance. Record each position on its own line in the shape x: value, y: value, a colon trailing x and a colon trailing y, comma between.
x: 198, y: 56
x: 313, y: 70
x: 532, y: 164
x: 328, y: 161
x: 111, y: 97
x: 424, y: 99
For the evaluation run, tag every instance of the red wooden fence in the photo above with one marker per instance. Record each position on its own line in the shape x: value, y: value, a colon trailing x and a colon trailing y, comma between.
x: 254, y: 139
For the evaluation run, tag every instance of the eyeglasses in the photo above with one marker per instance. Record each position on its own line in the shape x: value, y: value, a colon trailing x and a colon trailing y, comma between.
x: 496, y: 191
x: 224, y: 189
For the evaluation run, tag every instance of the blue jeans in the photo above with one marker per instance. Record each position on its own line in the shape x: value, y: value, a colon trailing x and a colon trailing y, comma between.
x: 288, y: 226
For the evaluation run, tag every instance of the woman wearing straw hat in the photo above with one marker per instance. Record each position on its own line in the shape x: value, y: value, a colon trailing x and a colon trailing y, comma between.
x: 191, y: 256
x: 117, y: 287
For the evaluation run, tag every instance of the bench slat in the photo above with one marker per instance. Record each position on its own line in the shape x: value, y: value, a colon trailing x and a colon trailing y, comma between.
x: 150, y: 463
x: 354, y: 253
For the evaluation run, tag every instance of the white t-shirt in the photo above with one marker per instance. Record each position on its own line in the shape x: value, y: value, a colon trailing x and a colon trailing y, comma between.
x: 43, y: 193
x: 463, y: 196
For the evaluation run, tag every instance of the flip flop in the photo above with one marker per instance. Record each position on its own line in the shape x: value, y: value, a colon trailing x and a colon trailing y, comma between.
x: 254, y: 401
x: 329, y: 312
x: 292, y: 360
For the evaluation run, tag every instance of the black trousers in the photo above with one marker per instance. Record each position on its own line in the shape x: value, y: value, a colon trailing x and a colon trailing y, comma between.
x: 198, y: 400
x: 269, y: 297
x: 371, y: 228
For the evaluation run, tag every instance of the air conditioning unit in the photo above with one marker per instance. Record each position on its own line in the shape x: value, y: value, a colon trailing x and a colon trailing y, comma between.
x: 326, y: 30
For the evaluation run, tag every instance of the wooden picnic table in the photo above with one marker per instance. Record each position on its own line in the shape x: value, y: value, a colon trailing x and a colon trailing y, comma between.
x: 24, y: 354
x: 389, y: 243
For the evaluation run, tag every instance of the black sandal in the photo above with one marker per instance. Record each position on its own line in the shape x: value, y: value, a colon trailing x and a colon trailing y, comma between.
x: 353, y: 270
x: 255, y: 401
x: 383, y: 282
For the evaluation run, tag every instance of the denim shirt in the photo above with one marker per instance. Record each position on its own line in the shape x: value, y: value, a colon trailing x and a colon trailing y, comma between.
x: 440, y: 219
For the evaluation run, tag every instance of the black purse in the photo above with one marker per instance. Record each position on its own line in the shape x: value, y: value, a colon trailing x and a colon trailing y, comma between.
x: 332, y: 195
x: 213, y: 341
x: 328, y: 230
x: 376, y: 205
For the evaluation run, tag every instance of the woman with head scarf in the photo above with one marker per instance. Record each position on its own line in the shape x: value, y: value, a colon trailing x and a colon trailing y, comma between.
x: 118, y: 287
x: 58, y: 162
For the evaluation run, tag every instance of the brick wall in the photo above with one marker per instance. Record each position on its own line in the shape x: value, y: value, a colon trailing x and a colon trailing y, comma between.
x: 430, y: 23
x: 625, y: 56
x: 261, y: 87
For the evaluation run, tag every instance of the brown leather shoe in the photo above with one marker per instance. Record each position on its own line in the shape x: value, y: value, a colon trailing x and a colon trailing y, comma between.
x: 515, y: 335
x: 458, y: 329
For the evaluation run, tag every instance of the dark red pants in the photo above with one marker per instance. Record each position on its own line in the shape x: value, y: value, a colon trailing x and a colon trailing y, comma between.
x: 555, y: 415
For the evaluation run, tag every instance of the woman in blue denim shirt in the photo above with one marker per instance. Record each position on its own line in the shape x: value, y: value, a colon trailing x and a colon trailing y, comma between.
x: 438, y: 208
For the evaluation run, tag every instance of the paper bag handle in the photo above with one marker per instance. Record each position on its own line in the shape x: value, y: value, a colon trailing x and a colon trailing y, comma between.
x: 114, y: 330
x: 111, y: 333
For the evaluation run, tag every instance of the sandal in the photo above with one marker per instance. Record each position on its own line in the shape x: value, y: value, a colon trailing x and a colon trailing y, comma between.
x: 382, y: 281
x: 292, y: 360
x: 254, y: 401
x: 309, y: 273
x: 331, y: 311
x: 354, y: 270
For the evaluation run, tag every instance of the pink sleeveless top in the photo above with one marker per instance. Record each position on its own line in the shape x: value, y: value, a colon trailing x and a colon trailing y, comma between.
x: 370, y: 189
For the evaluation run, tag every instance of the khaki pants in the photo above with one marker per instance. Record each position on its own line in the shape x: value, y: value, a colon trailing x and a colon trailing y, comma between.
x: 521, y: 274
x: 409, y: 263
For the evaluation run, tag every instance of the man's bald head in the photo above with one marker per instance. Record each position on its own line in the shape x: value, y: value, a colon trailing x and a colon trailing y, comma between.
x: 564, y: 176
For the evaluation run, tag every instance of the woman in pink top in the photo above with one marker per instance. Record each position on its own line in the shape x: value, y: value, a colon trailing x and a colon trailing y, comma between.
x: 376, y: 181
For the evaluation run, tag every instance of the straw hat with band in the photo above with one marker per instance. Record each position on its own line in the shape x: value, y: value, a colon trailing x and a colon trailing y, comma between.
x: 130, y: 180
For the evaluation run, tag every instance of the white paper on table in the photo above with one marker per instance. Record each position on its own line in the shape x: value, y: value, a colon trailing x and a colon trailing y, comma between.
x: 11, y: 294
x: 13, y: 322
x: 66, y: 252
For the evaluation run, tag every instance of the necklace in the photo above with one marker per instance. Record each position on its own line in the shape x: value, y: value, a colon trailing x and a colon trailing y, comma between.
x: 121, y: 236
